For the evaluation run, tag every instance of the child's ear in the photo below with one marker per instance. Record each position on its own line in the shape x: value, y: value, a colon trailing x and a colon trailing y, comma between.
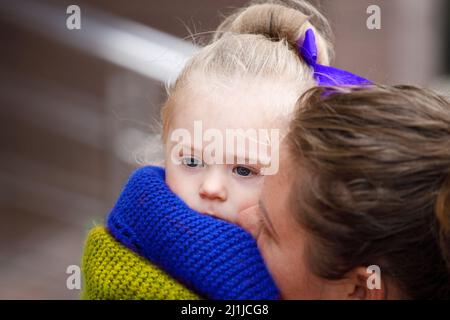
x: 365, y: 285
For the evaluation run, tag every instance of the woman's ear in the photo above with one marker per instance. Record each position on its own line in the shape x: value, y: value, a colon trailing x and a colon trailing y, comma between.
x: 366, y: 284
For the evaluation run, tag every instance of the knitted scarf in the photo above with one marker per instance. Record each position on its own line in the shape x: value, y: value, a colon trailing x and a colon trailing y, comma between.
x: 214, y: 258
x: 113, y: 272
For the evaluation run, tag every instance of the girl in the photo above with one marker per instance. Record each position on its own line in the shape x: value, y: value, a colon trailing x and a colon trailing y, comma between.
x: 248, y: 77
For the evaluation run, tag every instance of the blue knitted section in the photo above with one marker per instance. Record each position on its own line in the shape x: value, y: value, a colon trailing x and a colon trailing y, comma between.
x: 217, y: 259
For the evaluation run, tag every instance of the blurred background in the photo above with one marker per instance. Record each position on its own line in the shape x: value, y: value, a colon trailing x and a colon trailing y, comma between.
x: 79, y: 109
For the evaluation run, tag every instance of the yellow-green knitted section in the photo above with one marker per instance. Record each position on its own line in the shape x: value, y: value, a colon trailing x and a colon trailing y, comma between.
x: 111, y: 271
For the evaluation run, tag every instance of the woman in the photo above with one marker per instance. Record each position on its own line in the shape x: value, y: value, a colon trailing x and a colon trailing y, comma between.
x: 364, y: 180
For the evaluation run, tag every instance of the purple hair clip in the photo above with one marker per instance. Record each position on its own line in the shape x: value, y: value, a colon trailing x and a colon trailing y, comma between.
x: 325, y: 75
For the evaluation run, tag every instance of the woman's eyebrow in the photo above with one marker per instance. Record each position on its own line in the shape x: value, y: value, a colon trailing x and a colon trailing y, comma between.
x: 263, y: 209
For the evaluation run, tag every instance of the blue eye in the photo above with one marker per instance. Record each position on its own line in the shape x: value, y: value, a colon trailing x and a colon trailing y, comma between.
x: 243, y: 171
x: 192, y: 162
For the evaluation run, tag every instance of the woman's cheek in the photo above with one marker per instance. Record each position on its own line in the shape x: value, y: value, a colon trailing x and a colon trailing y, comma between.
x: 268, y: 252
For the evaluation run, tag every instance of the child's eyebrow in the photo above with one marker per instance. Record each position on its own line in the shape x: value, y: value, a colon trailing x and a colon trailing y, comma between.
x: 246, y: 160
x: 190, y: 148
x: 263, y: 210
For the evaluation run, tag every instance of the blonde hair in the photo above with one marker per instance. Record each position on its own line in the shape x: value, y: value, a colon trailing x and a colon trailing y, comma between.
x: 257, y: 42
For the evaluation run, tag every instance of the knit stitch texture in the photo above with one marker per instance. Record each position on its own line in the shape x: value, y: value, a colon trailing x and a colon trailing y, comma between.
x: 217, y: 259
x: 113, y: 272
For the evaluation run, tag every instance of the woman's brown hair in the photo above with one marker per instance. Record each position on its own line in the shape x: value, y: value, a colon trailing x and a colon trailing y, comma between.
x: 378, y: 188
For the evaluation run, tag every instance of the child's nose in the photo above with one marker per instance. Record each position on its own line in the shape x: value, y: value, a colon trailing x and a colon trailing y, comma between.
x: 213, y: 187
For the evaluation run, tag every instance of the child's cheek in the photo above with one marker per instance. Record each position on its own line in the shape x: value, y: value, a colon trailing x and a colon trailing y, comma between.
x: 246, y: 195
x: 181, y: 184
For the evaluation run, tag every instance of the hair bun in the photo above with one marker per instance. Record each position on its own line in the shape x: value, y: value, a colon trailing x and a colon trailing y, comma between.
x: 281, y: 20
x: 273, y: 21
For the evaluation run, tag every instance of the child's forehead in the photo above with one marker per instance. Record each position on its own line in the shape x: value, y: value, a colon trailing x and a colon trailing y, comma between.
x: 221, y: 115
x: 239, y: 89
x: 231, y: 105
